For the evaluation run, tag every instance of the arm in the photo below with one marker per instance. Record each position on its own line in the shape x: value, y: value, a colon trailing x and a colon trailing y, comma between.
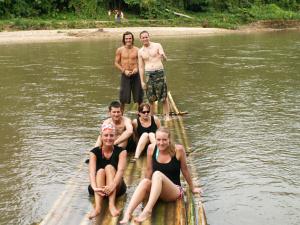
x: 141, y: 69
x: 185, y: 171
x: 134, y: 126
x: 118, y: 60
x: 92, y: 170
x: 149, y: 170
x: 127, y: 133
x: 98, y: 142
x: 92, y: 175
x: 157, y: 121
x: 161, y: 52
x: 119, y: 173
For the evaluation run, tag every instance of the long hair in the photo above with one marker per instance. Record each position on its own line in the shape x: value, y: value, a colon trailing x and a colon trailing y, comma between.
x: 171, y: 148
x: 128, y: 33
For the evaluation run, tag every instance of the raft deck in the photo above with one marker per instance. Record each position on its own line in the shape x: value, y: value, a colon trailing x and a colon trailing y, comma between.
x: 74, y: 204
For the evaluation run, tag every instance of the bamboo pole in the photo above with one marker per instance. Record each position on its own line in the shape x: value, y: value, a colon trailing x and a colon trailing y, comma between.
x: 195, y: 216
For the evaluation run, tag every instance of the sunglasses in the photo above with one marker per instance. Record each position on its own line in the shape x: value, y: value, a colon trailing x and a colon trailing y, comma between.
x: 144, y: 112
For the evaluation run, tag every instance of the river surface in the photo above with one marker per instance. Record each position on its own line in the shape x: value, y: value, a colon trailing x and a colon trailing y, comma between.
x: 242, y: 94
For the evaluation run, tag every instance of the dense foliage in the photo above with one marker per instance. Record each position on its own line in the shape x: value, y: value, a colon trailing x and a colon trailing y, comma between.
x: 143, y: 8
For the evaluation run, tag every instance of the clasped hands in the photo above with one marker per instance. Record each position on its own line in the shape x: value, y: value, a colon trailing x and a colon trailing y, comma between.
x: 130, y: 72
x: 105, y: 190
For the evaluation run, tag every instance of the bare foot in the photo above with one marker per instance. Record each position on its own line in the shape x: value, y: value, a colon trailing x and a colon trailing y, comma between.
x: 142, y: 217
x: 125, y: 219
x: 93, y: 214
x: 114, y: 211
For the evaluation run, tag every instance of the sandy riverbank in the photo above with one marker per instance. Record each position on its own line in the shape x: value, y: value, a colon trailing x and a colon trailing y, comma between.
x: 40, y: 36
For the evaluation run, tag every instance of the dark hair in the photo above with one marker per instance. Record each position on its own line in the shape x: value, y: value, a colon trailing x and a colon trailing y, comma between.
x: 114, y: 104
x: 141, y: 106
x: 127, y: 33
x: 144, y: 31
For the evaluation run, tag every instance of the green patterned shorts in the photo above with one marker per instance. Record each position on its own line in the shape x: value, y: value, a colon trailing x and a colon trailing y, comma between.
x: 156, y: 86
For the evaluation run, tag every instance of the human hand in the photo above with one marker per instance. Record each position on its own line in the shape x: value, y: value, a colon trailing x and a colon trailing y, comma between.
x: 144, y: 85
x: 163, y: 57
x: 134, y: 71
x: 98, y: 191
x: 127, y: 73
x: 108, y: 189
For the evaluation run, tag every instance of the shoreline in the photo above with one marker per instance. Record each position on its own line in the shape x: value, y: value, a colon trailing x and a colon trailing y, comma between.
x: 63, y: 35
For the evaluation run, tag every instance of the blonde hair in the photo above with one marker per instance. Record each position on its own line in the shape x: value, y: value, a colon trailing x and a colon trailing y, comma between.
x: 171, y: 148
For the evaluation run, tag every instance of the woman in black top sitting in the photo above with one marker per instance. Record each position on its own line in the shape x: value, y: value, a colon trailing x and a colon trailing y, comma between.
x: 106, y: 170
x: 164, y: 163
x: 145, y: 127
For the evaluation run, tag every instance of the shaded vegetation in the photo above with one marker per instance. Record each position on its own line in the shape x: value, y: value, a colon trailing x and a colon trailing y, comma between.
x: 49, y: 14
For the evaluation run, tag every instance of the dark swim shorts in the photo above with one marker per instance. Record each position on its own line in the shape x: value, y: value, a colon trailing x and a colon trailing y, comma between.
x: 128, y: 85
x: 120, y: 192
x: 156, y: 86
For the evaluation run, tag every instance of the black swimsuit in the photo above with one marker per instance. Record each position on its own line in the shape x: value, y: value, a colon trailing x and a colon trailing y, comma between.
x: 170, y: 169
x: 140, y: 129
x: 102, y: 162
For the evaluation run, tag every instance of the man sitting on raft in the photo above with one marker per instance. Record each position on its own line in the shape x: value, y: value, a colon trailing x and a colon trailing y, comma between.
x: 122, y: 125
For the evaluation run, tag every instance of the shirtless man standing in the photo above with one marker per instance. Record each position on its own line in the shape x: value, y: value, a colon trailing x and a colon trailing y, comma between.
x: 126, y: 61
x: 122, y: 124
x: 150, y: 60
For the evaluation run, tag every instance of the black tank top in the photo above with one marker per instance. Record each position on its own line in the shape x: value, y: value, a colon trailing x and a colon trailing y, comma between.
x: 102, y: 162
x: 170, y: 169
x: 140, y: 129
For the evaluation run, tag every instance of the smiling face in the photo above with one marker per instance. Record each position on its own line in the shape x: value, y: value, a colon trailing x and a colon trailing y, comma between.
x: 115, y: 114
x: 145, y: 39
x: 128, y: 40
x: 108, y: 137
x: 145, y: 112
x: 162, y: 140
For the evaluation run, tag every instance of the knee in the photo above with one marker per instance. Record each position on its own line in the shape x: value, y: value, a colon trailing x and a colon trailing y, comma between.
x: 146, y: 183
x: 157, y: 175
x: 145, y: 135
x: 152, y: 136
x: 100, y: 172
x: 109, y: 169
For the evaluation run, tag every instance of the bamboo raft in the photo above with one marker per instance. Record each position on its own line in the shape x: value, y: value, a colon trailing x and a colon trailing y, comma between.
x: 72, y: 205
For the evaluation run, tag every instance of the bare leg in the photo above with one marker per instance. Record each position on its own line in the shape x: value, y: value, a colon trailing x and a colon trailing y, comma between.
x: 152, y: 138
x: 110, y: 173
x: 152, y: 108
x: 100, y: 181
x: 138, y: 196
x: 98, y: 142
x: 162, y: 188
x: 166, y: 109
x: 144, y: 139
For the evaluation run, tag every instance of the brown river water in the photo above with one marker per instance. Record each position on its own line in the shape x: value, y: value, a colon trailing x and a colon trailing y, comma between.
x: 241, y: 92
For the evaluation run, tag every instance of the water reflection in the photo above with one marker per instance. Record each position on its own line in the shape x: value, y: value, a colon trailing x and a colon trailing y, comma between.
x: 241, y: 92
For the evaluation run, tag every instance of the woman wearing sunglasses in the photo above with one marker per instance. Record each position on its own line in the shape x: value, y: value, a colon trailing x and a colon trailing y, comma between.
x: 145, y: 127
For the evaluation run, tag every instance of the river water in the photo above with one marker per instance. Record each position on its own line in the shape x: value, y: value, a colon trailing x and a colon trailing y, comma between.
x: 241, y: 92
